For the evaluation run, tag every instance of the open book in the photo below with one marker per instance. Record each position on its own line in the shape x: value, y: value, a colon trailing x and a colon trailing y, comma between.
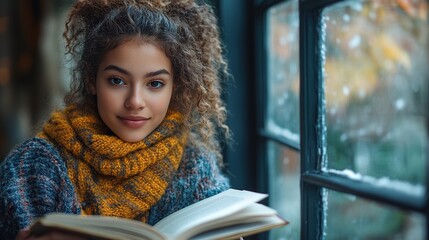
x: 227, y: 215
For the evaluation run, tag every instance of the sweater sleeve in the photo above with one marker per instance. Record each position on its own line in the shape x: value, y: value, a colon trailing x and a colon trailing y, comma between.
x: 197, y: 178
x: 33, y: 182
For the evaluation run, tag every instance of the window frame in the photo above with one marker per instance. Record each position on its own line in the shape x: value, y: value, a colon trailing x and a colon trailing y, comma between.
x: 250, y: 75
x: 313, y: 179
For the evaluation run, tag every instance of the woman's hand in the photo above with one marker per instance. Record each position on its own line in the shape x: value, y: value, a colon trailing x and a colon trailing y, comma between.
x: 25, y: 235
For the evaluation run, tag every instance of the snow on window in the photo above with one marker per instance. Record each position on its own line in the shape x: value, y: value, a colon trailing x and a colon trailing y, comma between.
x: 416, y: 190
x: 275, y: 128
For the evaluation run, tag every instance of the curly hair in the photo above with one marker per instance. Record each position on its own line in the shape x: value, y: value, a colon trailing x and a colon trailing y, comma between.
x: 187, y: 32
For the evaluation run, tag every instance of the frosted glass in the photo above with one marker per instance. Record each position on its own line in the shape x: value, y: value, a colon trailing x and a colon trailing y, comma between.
x: 283, y: 70
x: 350, y: 217
x: 376, y: 88
x: 283, y: 181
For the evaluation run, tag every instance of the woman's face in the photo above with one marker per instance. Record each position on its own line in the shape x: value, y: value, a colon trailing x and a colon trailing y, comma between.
x: 134, y: 85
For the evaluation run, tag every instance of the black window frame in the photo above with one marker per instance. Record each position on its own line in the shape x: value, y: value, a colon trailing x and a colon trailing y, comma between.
x: 251, y: 73
x: 312, y: 177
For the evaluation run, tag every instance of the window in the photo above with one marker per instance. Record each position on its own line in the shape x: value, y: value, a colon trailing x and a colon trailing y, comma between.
x: 355, y: 74
x: 281, y: 122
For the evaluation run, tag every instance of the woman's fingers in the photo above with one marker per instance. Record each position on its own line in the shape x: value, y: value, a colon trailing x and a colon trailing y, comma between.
x: 23, y: 234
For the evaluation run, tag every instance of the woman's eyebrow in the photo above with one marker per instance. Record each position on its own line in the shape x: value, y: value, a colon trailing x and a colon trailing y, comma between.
x: 149, y: 74
x: 116, y: 68
x: 161, y: 71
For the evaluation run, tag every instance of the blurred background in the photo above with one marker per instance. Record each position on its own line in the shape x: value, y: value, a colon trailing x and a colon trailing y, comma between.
x: 33, y: 75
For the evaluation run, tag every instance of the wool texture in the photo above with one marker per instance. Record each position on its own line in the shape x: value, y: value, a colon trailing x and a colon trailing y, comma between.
x: 34, y: 182
x: 113, y: 177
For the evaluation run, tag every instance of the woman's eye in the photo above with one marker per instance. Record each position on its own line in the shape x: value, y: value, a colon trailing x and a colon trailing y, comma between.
x: 116, y: 81
x: 156, y: 84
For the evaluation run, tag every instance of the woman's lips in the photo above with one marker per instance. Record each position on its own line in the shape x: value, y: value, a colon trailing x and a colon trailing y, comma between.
x: 134, y: 121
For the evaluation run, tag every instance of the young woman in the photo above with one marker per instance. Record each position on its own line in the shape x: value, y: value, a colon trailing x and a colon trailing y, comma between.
x: 140, y: 132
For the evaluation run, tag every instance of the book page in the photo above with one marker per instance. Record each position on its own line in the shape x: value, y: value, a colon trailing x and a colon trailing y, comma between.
x: 241, y: 230
x: 97, y: 227
x: 207, y: 210
x: 252, y: 213
x: 254, y: 218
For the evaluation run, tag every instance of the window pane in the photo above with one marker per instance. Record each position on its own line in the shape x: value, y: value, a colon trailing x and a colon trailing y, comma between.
x: 349, y: 217
x: 284, y: 175
x: 376, y: 88
x: 283, y: 70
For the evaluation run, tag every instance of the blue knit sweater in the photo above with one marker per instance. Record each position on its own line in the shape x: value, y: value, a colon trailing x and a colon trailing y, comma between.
x: 34, y: 181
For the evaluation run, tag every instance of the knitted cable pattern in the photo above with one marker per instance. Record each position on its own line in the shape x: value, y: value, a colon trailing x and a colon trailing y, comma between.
x: 113, y: 177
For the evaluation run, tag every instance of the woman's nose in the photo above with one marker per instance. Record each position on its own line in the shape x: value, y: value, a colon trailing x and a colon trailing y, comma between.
x: 135, y: 99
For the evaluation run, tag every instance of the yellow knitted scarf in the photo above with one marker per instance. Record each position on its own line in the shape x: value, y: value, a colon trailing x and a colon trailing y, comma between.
x: 113, y: 177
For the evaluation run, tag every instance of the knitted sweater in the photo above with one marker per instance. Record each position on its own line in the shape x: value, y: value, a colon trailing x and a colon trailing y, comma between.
x: 34, y: 181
